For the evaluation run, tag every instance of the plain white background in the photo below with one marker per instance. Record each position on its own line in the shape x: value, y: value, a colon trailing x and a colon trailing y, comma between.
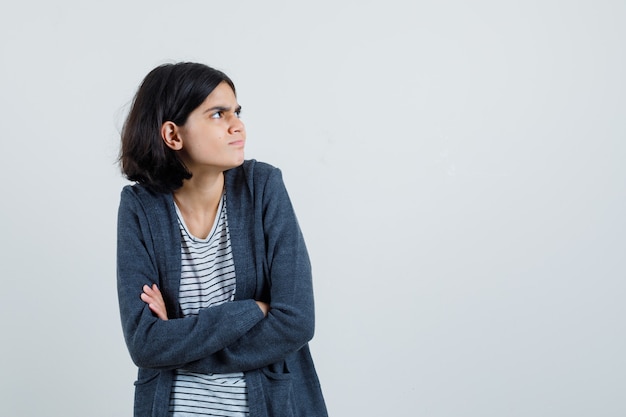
x: 457, y: 168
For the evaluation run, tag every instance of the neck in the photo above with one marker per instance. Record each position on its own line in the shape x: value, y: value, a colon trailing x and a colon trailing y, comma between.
x: 200, y: 193
x: 198, y: 200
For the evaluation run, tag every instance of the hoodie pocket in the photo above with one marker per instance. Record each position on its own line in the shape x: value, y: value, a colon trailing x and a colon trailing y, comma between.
x: 145, y: 388
x: 278, y: 390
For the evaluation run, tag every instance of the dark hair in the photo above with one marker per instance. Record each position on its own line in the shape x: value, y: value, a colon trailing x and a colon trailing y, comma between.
x: 169, y: 92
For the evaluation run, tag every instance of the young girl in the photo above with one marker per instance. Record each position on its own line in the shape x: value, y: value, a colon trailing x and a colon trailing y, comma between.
x: 214, y: 279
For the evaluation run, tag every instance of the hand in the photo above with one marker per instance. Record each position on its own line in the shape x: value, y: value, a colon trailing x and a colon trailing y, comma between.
x: 265, y: 308
x: 154, y: 299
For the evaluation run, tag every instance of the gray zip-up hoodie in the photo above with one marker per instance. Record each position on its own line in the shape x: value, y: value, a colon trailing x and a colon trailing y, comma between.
x: 271, y: 264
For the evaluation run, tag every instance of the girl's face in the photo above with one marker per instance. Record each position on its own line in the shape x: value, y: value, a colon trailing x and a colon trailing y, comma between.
x: 213, y: 137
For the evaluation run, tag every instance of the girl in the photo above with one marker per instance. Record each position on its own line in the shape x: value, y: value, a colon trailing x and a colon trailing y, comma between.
x: 213, y: 276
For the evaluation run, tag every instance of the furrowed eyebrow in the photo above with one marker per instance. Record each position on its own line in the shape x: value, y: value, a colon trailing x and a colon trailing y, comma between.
x: 222, y: 108
x: 217, y: 108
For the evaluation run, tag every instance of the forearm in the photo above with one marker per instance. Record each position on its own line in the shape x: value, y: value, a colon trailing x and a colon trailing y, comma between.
x: 156, y: 343
x: 289, y: 325
x: 270, y: 341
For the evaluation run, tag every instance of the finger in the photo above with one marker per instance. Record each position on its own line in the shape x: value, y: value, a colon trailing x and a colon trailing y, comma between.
x: 154, y: 299
x: 155, y: 307
x: 151, y: 288
x: 153, y: 291
x: 146, y: 290
x: 158, y: 311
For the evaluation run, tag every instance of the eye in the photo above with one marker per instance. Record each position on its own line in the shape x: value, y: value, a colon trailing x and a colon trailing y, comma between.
x: 217, y: 115
x: 238, y: 113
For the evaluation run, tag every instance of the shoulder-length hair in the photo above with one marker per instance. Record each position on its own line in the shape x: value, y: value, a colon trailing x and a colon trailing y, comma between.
x: 169, y: 92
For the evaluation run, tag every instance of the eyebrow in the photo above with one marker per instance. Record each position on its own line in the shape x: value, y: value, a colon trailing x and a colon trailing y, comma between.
x: 221, y: 108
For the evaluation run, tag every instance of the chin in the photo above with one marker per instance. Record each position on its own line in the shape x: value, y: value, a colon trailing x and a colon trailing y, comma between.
x: 237, y: 162
x: 240, y: 159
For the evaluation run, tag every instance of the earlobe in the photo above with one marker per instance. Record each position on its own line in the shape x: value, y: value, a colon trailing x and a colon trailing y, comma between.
x: 171, y: 137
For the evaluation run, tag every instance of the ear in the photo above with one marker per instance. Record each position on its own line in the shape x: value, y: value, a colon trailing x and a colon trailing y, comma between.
x: 171, y: 136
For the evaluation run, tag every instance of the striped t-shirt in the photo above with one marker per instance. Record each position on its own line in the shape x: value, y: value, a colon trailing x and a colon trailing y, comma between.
x: 207, y: 279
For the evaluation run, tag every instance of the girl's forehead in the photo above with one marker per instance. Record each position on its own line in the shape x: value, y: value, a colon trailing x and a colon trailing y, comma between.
x: 222, y: 93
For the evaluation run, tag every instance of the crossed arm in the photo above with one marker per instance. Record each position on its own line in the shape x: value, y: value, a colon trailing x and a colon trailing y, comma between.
x: 153, y: 297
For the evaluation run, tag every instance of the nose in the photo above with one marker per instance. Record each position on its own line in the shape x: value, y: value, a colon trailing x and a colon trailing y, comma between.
x: 236, y: 125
